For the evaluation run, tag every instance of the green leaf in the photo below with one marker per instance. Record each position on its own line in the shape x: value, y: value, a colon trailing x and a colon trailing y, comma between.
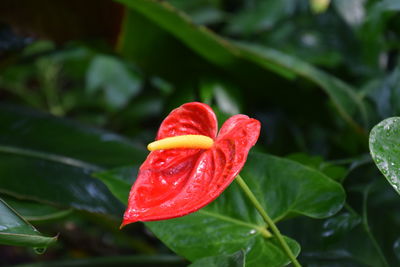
x: 234, y: 260
x: 385, y: 94
x: 288, y: 188
x: 227, y: 55
x: 34, y: 211
x: 15, y: 231
x: 34, y: 131
x: 54, y: 182
x: 344, y: 97
x: 111, y: 76
x: 158, y: 260
x: 53, y: 158
x: 340, y: 224
x: 352, y: 11
x: 337, y: 173
x: 212, y: 233
x: 119, y: 181
x: 227, y: 96
x: 192, y: 225
x: 259, y: 16
x: 384, y: 145
x: 285, y: 188
x: 337, y: 241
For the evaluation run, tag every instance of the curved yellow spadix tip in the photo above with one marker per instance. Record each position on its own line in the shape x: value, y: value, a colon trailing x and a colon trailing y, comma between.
x: 182, y: 141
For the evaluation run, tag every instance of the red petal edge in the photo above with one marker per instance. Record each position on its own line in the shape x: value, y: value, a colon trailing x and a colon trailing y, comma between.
x: 161, y: 178
x: 190, y: 118
x: 176, y: 182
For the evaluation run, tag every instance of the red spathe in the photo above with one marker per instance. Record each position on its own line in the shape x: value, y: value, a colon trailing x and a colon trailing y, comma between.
x: 175, y: 182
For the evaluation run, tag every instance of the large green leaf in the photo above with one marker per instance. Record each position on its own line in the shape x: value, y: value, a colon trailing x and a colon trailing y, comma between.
x: 284, y: 187
x: 30, y: 130
x: 235, y: 260
x: 234, y: 56
x: 212, y: 233
x: 29, y: 177
x: 50, y: 160
x: 343, y: 96
x: 159, y: 260
x: 34, y: 211
x: 337, y: 173
x: 384, y: 144
x: 15, y: 231
x: 287, y: 188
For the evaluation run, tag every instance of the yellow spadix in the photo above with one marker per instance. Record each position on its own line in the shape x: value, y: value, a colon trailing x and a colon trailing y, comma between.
x: 182, y: 141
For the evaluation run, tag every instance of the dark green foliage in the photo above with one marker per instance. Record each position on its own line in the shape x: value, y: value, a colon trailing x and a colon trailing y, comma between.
x: 75, y: 118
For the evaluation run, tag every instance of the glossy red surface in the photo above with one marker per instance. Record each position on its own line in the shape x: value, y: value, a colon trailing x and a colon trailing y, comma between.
x: 175, y: 182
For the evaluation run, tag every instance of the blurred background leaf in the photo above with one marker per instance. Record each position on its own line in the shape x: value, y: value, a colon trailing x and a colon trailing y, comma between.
x: 110, y: 76
x: 227, y: 55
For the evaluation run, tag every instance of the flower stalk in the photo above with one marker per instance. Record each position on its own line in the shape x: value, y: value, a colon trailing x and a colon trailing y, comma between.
x: 267, y: 219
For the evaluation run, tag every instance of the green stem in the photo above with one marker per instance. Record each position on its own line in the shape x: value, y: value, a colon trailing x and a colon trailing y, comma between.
x: 368, y: 229
x: 267, y: 219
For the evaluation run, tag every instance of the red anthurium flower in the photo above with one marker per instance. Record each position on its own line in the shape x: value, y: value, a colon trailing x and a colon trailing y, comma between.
x: 190, y: 165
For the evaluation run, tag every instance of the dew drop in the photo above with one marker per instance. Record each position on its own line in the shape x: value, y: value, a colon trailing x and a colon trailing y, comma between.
x: 252, y: 231
x: 39, y: 250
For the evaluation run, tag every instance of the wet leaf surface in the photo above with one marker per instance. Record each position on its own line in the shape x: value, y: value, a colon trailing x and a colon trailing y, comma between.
x: 16, y: 231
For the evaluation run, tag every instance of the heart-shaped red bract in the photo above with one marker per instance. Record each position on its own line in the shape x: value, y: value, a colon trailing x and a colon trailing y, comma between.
x: 175, y: 182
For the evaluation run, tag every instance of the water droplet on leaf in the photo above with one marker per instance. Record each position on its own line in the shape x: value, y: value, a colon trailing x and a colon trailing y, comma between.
x: 39, y: 250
